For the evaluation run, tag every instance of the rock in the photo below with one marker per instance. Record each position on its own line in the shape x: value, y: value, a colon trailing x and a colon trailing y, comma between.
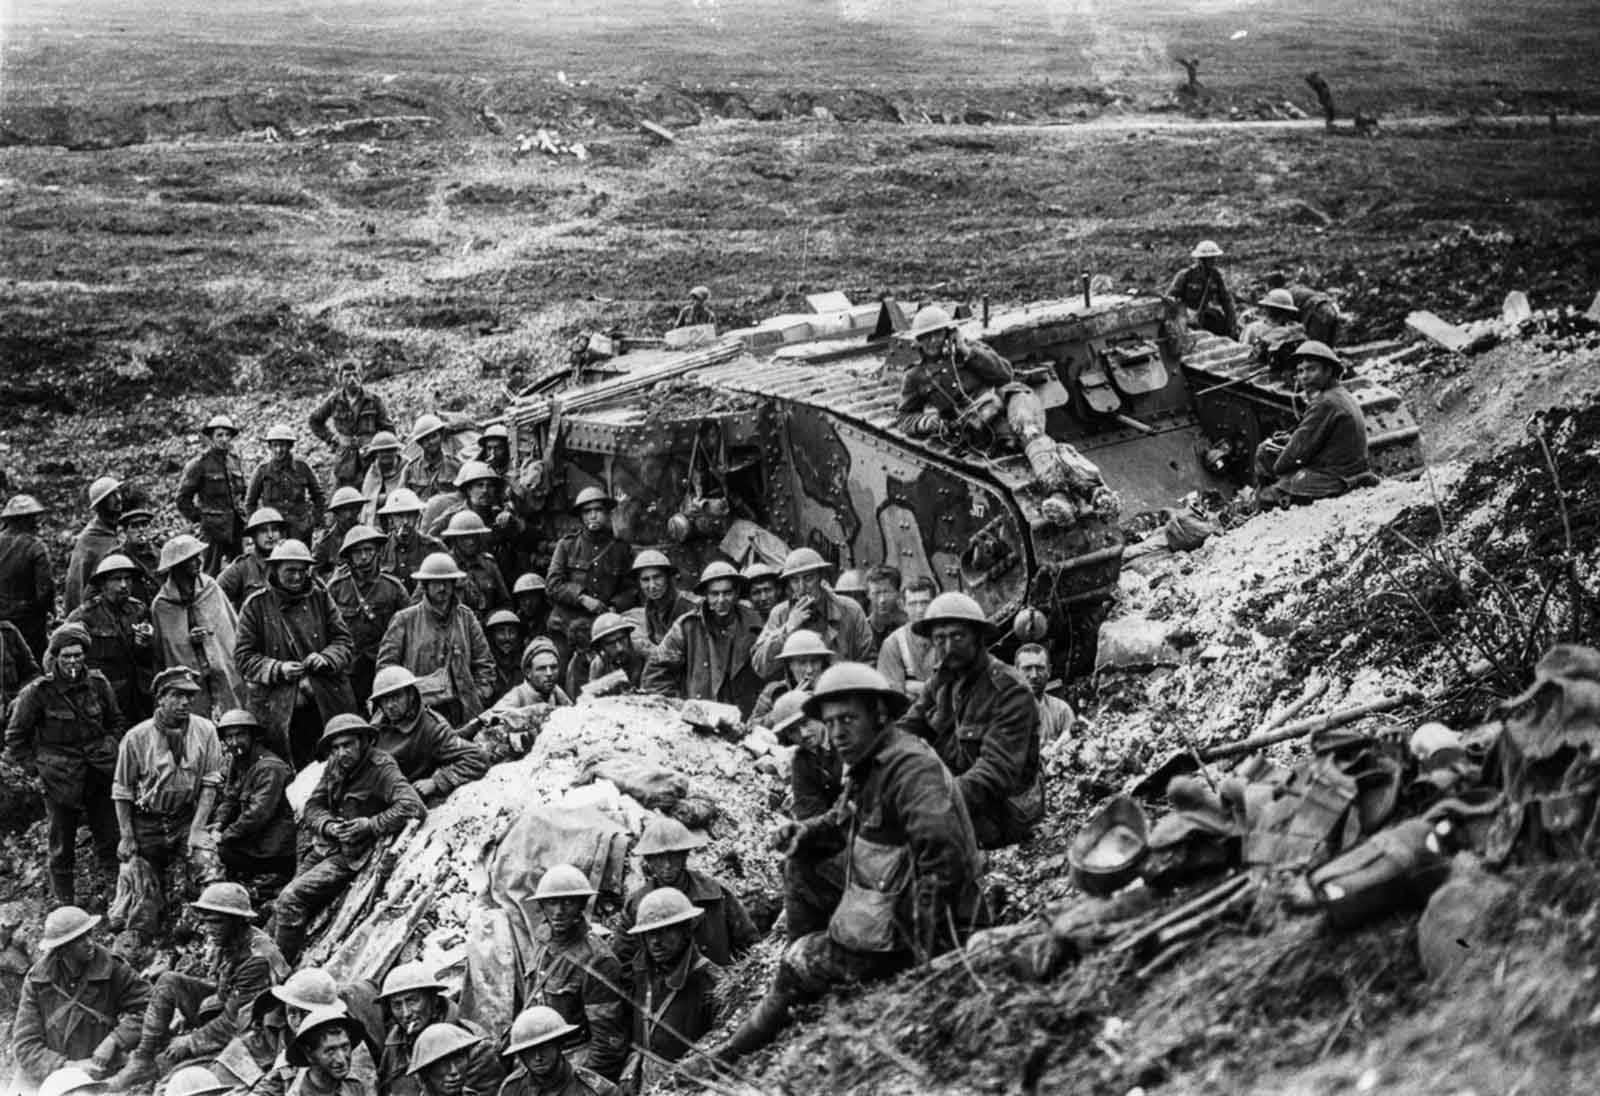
x: 1594, y: 309
x: 1134, y: 643
x: 1516, y: 308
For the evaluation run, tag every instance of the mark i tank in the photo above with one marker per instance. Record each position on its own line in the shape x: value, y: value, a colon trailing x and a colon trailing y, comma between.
x: 745, y: 444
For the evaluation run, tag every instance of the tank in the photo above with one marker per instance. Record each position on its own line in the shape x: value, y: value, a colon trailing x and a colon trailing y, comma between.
x: 785, y: 434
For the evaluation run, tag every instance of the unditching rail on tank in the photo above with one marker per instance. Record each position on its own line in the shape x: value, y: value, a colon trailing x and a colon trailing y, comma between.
x: 1238, y: 398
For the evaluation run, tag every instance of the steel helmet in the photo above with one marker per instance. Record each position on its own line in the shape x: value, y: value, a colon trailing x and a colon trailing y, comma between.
x: 953, y: 606
x: 333, y: 1016
x: 349, y: 496
x: 135, y: 516
x: 179, y: 549
x: 1318, y: 351
x: 402, y: 500
x: 494, y: 430
x: 529, y: 583
x: 536, y: 1026
x: 21, y: 506
x: 219, y: 422
x: 264, y: 516
x: 195, y: 1081
x: 359, y: 535
x: 227, y: 898
x: 591, y: 495
x: 500, y: 618
x: 115, y: 563
x: 756, y: 572
x: 342, y: 724
x: 1280, y: 299
x: 716, y: 570
x: 536, y: 646
x: 665, y: 834
x: 1206, y: 249
x: 850, y: 582
x: 69, y: 1079
x: 439, y: 1041
x: 409, y: 977
x: 465, y: 523
x: 563, y: 881
x: 473, y: 471
x: 280, y: 432
x: 652, y: 559
x: 239, y: 717
x: 609, y: 624
x: 65, y: 924
x: 662, y: 907
x: 851, y: 678
x: 802, y: 561
x: 679, y: 527
x: 290, y: 551
x: 1030, y: 625
x: 427, y: 424
x: 390, y: 680
x: 788, y: 708
x: 700, y: 293
x: 930, y: 319
x: 100, y: 488
x: 805, y: 644
x: 383, y: 441
x: 310, y: 989
x: 439, y: 566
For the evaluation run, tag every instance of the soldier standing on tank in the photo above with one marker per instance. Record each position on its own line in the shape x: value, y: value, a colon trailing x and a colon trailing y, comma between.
x: 1201, y: 289
x: 286, y: 484
x: 955, y: 382
x: 590, y: 571
x: 356, y: 416
x: 433, y: 471
x: 841, y: 623
x: 96, y: 539
x: 211, y: 494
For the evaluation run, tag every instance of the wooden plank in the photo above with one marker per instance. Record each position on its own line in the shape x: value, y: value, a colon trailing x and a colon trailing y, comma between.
x: 1431, y: 327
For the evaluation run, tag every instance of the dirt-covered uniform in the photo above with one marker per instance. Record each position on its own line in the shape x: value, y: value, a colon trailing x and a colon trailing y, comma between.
x: 1203, y: 291
x: 291, y: 488
x: 27, y: 586
x: 427, y: 749
x: 128, y: 664
x: 596, y: 565
x: 704, y: 658
x: 580, y: 980
x: 450, y: 645
x: 63, y: 1016
x: 1325, y: 455
x: 254, y: 821
x: 211, y: 496
x: 367, y: 607
x: 935, y: 392
x: 723, y: 933
x: 840, y: 622
x: 356, y: 421
x: 276, y: 627
x: 95, y: 541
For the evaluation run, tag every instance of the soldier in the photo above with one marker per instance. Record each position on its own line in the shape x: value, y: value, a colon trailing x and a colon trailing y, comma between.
x: 531, y: 598
x: 433, y: 757
x: 725, y: 932
x: 356, y: 415
x: 253, y: 824
x: 81, y: 1006
x: 906, y: 658
x: 133, y: 531
x: 27, y: 587
x: 402, y: 554
x: 382, y: 457
x: 285, y: 483
x: 281, y: 1010
x: 1317, y: 310
x: 613, y: 647
x: 323, y: 1049
x: 763, y: 587
x: 503, y: 629
x: 913, y: 863
x: 660, y: 601
x: 1201, y: 289
x: 211, y: 493
x: 1327, y: 453
x: 852, y: 585
x: 494, y: 448
x: 193, y: 1081
x: 955, y: 382
x: 705, y: 655
x: 442, y: 1063
x: 813, y: 875
x: 243, y: 964
x: 120, y: 634
x: 194, y: 626
x: 842, y: 624
x: 368, y: 600
x: 674, y: 985
x: 294, y: 651
x: 541, y: 676
x: 1274, y: 337
x: 983, y: 723
x: 247, y: 574
x: 484, y: 589
x: 697, y: 311
x: 589, y: 569
x: 432, y: 472
x: 64, y: 729
x: 415, y: 1002
x: 345, y: 508
x: 572, y: 970
x: 804, y: 657
x: 17, y: 666
x: 95, y: 540
x: 534, y: 1043
x: 1056, y: 717
x: 361, y: 799
x: 166, y: 783
x: 480, y: 490
x: 439, y: 638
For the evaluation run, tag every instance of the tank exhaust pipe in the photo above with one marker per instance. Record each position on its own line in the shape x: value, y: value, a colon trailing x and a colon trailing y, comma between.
x: 1086, y: 302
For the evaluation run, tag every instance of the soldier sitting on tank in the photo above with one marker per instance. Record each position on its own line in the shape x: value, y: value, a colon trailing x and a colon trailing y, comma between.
x: 956, y: 383
x: 1316, y: 309
x: 1201, y: 289
x: 1327, y: 453
x: 1274, y: 337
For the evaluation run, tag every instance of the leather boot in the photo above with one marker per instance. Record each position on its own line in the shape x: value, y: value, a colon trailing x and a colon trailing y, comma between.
x: 139, y: 1072
x: 770, y: 1016
x: 63, y: 888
